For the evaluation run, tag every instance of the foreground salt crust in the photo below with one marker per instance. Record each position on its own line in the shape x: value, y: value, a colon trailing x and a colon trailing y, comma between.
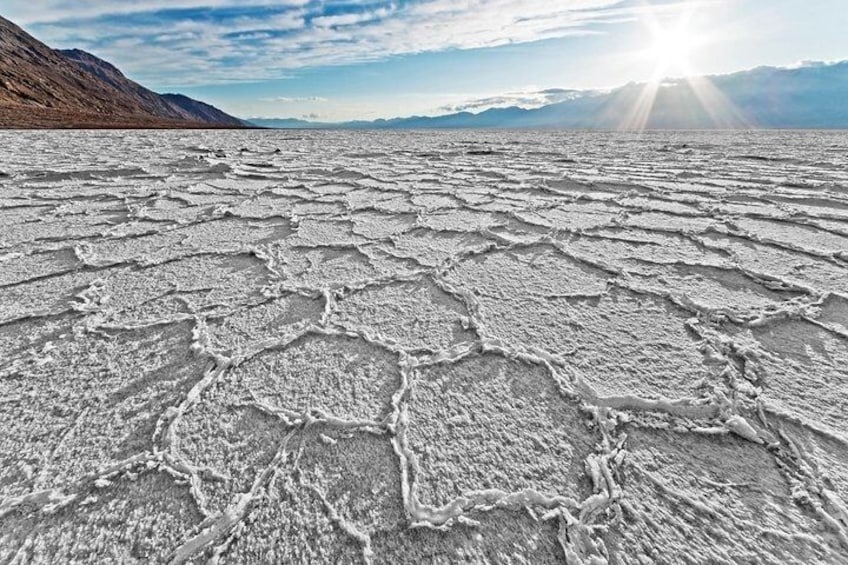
x: 408, y: 347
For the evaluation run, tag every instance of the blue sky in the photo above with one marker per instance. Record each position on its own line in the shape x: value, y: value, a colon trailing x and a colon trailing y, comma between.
x: 345, y: 59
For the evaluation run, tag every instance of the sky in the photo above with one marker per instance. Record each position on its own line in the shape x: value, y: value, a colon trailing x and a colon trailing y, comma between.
x: 335, y: 60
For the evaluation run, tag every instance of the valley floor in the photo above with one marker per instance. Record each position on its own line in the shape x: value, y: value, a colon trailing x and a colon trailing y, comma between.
x: 423, y: 347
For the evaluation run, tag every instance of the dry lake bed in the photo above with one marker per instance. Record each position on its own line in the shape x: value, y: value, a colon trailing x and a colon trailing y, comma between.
x: 424, y: 347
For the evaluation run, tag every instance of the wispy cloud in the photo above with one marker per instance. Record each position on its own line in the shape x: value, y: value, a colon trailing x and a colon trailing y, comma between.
x: 46, y: 11
x: 184, y: 42
x: 294, y: 99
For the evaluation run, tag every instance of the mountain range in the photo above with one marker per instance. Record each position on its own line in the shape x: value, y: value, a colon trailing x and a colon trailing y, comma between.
x: 43, y: 87
x: 809, y: 96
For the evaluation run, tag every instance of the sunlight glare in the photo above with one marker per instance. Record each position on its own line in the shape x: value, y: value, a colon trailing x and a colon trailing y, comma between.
x: 671, y: 49
x: 674, y: 44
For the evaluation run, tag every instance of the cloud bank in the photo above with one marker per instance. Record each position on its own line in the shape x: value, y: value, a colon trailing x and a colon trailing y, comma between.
x: 526, y: 99
x: 295, y: 99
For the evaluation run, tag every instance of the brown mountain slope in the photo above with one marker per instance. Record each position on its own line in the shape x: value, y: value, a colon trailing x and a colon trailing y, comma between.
x: 41, y: 87
x: 200, y: 110
x: 175, y: 106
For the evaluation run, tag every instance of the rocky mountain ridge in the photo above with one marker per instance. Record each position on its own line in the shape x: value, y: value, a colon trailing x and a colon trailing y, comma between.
x: 42, y: 87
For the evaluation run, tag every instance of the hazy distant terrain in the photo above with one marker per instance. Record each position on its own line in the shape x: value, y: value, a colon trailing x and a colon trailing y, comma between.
x: 424, y: 347
x: 807, y: 97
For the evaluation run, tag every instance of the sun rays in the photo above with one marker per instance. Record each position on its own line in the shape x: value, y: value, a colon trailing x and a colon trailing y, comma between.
x: 675, y: 40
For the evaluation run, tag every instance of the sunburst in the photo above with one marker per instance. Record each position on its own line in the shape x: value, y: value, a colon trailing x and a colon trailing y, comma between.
x: 675, y: 41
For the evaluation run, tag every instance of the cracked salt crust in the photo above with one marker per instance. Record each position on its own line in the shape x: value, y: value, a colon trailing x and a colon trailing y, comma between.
x: 441, y: 347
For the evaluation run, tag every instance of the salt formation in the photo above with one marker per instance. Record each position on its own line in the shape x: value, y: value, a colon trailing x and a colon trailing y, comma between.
x: 343, y: 347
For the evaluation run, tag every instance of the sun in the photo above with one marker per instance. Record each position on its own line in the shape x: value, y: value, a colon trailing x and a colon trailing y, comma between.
x: 675, y: 39
x: 672, y: 48
x: 673, y: 44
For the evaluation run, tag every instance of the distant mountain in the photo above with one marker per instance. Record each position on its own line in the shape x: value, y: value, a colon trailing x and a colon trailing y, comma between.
x: 286, y: 123
x: 42, y: 87
x: 810, y: 96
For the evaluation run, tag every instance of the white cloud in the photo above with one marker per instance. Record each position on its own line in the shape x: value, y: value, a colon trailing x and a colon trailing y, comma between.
x: 51, y: 11
x: 524, y: 99
x: 268, y: 39
x: 295, y: 99
x: 340, y: 20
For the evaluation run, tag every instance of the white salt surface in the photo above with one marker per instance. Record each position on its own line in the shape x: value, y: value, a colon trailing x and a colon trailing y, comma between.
x: 423, y: 347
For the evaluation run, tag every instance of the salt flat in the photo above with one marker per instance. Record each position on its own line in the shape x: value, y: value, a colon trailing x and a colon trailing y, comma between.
x: 424, y: 347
